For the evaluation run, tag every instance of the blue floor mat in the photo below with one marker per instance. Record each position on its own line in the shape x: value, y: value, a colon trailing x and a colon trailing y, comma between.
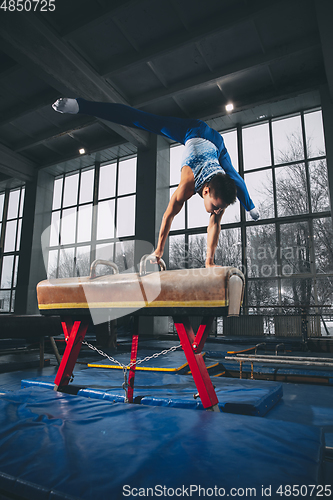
x: 57, y: 446
x: 247, y: 397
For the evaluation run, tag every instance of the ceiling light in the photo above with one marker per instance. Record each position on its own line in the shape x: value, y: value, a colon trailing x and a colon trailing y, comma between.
x: 229, y: 107
x: 82, y: 151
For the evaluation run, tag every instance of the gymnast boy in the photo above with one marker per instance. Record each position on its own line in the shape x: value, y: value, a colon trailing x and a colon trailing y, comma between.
x: 206, y: 165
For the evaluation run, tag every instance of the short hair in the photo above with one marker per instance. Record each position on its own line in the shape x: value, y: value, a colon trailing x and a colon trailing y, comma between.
x: 222, y: 186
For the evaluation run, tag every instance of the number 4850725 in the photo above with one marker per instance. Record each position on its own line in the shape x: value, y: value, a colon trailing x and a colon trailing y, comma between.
x: 28, y: 5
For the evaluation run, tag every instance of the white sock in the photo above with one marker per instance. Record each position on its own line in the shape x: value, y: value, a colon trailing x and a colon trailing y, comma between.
x: 66, y: 105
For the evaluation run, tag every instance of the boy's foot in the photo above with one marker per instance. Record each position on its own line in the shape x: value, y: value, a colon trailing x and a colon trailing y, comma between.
x: 66, y: 105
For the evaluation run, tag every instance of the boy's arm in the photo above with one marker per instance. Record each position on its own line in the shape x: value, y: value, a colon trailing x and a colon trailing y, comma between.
x: 213, y: 233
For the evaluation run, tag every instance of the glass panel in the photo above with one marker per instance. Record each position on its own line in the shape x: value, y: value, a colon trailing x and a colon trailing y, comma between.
x: 15, y: 271
x: 105, y: 252
x: 291, y: 190
x: 179, y: 221
x: 22, y: 202
x: 10, y: 236
x: 295, y: 248
x: 125, y: 255
x: 105, y: 220
x: 18, y: 235
x: 7, y: 271
x: 262, y: 293
x: 13, y: 301
x: 230, y: 141
x: 176, y: 156
x: 320, y: 199
x: 297, y: 291
x: 13, y: 204
x: 196, y: 213
x: 84, y: 223
x: 314, y: 131
x: 52, y: 264
x: 4, y: 301
x: 177, y: 253
x: 70, y: 190
x: 126, y: 216
x: 83, y: 261
x: 107, y: 181
x: 260, y: 187
x: 2, y: 199
x: 229, y: 248
x: 68, y: 226
x: 325, y: 295
x: 261, y: 251
x: 54, y: 230
x: 197, y: 250
x: 87, y: 186
x: 57, y: 192
x: 127, y: 176
x: 323, y: 245
x: 256, y: 148
x: 66, y: 263
x: 232, y: 213
x: 287, y: 140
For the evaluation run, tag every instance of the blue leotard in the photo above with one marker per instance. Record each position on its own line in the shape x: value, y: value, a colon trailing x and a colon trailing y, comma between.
x: 206, y: 158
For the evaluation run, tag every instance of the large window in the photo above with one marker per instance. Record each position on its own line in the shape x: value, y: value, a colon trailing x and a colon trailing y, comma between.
x: 287, y: 254
x: 11, y: 211
x: 93, y: 217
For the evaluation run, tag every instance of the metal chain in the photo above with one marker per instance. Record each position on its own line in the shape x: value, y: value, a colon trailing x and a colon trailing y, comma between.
x: 126, y: 367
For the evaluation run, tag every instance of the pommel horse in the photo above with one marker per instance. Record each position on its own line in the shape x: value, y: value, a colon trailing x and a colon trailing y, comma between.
x: 215, y: 291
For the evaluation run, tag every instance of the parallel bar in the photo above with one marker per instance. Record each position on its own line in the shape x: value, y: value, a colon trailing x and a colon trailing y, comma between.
x: 196, y: 363
x: 74, y: 334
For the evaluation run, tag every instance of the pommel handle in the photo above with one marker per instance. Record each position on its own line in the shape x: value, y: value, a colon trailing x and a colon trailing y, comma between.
x: 97, y: 262
x: 143, y: 264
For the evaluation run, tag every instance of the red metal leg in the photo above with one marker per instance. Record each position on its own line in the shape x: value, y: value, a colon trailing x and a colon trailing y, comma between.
x: 74, y: 335
x: 192, y: 346
x: 134, y: 352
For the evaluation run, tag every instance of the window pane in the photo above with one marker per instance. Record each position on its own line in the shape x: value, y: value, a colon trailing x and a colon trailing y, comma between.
x: 68, y: 226
x: 4, y: 301
x: 13, y: 204
x: 197, y: 250
x: 179, y: 221
x: 57, y: 192
x: 70, y: 190
x: 84, y: 223
x: 105, y: 220
x: 314, y: 131
x: 83, y: 261
x: 15, y: 271
x: 320, y: 199
x: 256, y: 148
x: 10, y: 236
x: 229, y: 248
x: 260, y: 187
x: 127, y: 176
x: 126, y: 216
x: 66, y: 263
x: 105, y: 252
x: 52, y: 264
x: 19, y: 234
x: 262, y: 293
x: 7, y: 271
x: 232, y: 213
x: 297, y: 291
x: 261, y: 251
x: 230, y: 141
x: 291, y: 190
x: 176, y: 156
x: 196, y: 213
x: 125, y: 255
x: 87, y: 186
x: 295, y: 248
x: 2, y: 199
x: 22, y: 202
x: 325, y: 294
x: 177, y: 253
x: 323, y: 244
x: 54, y: 232
x: 107, y: 181
x: 287, y: 140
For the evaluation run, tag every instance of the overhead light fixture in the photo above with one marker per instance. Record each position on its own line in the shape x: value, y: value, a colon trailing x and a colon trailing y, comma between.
x: 82, y: 151
x: 229, y: 107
